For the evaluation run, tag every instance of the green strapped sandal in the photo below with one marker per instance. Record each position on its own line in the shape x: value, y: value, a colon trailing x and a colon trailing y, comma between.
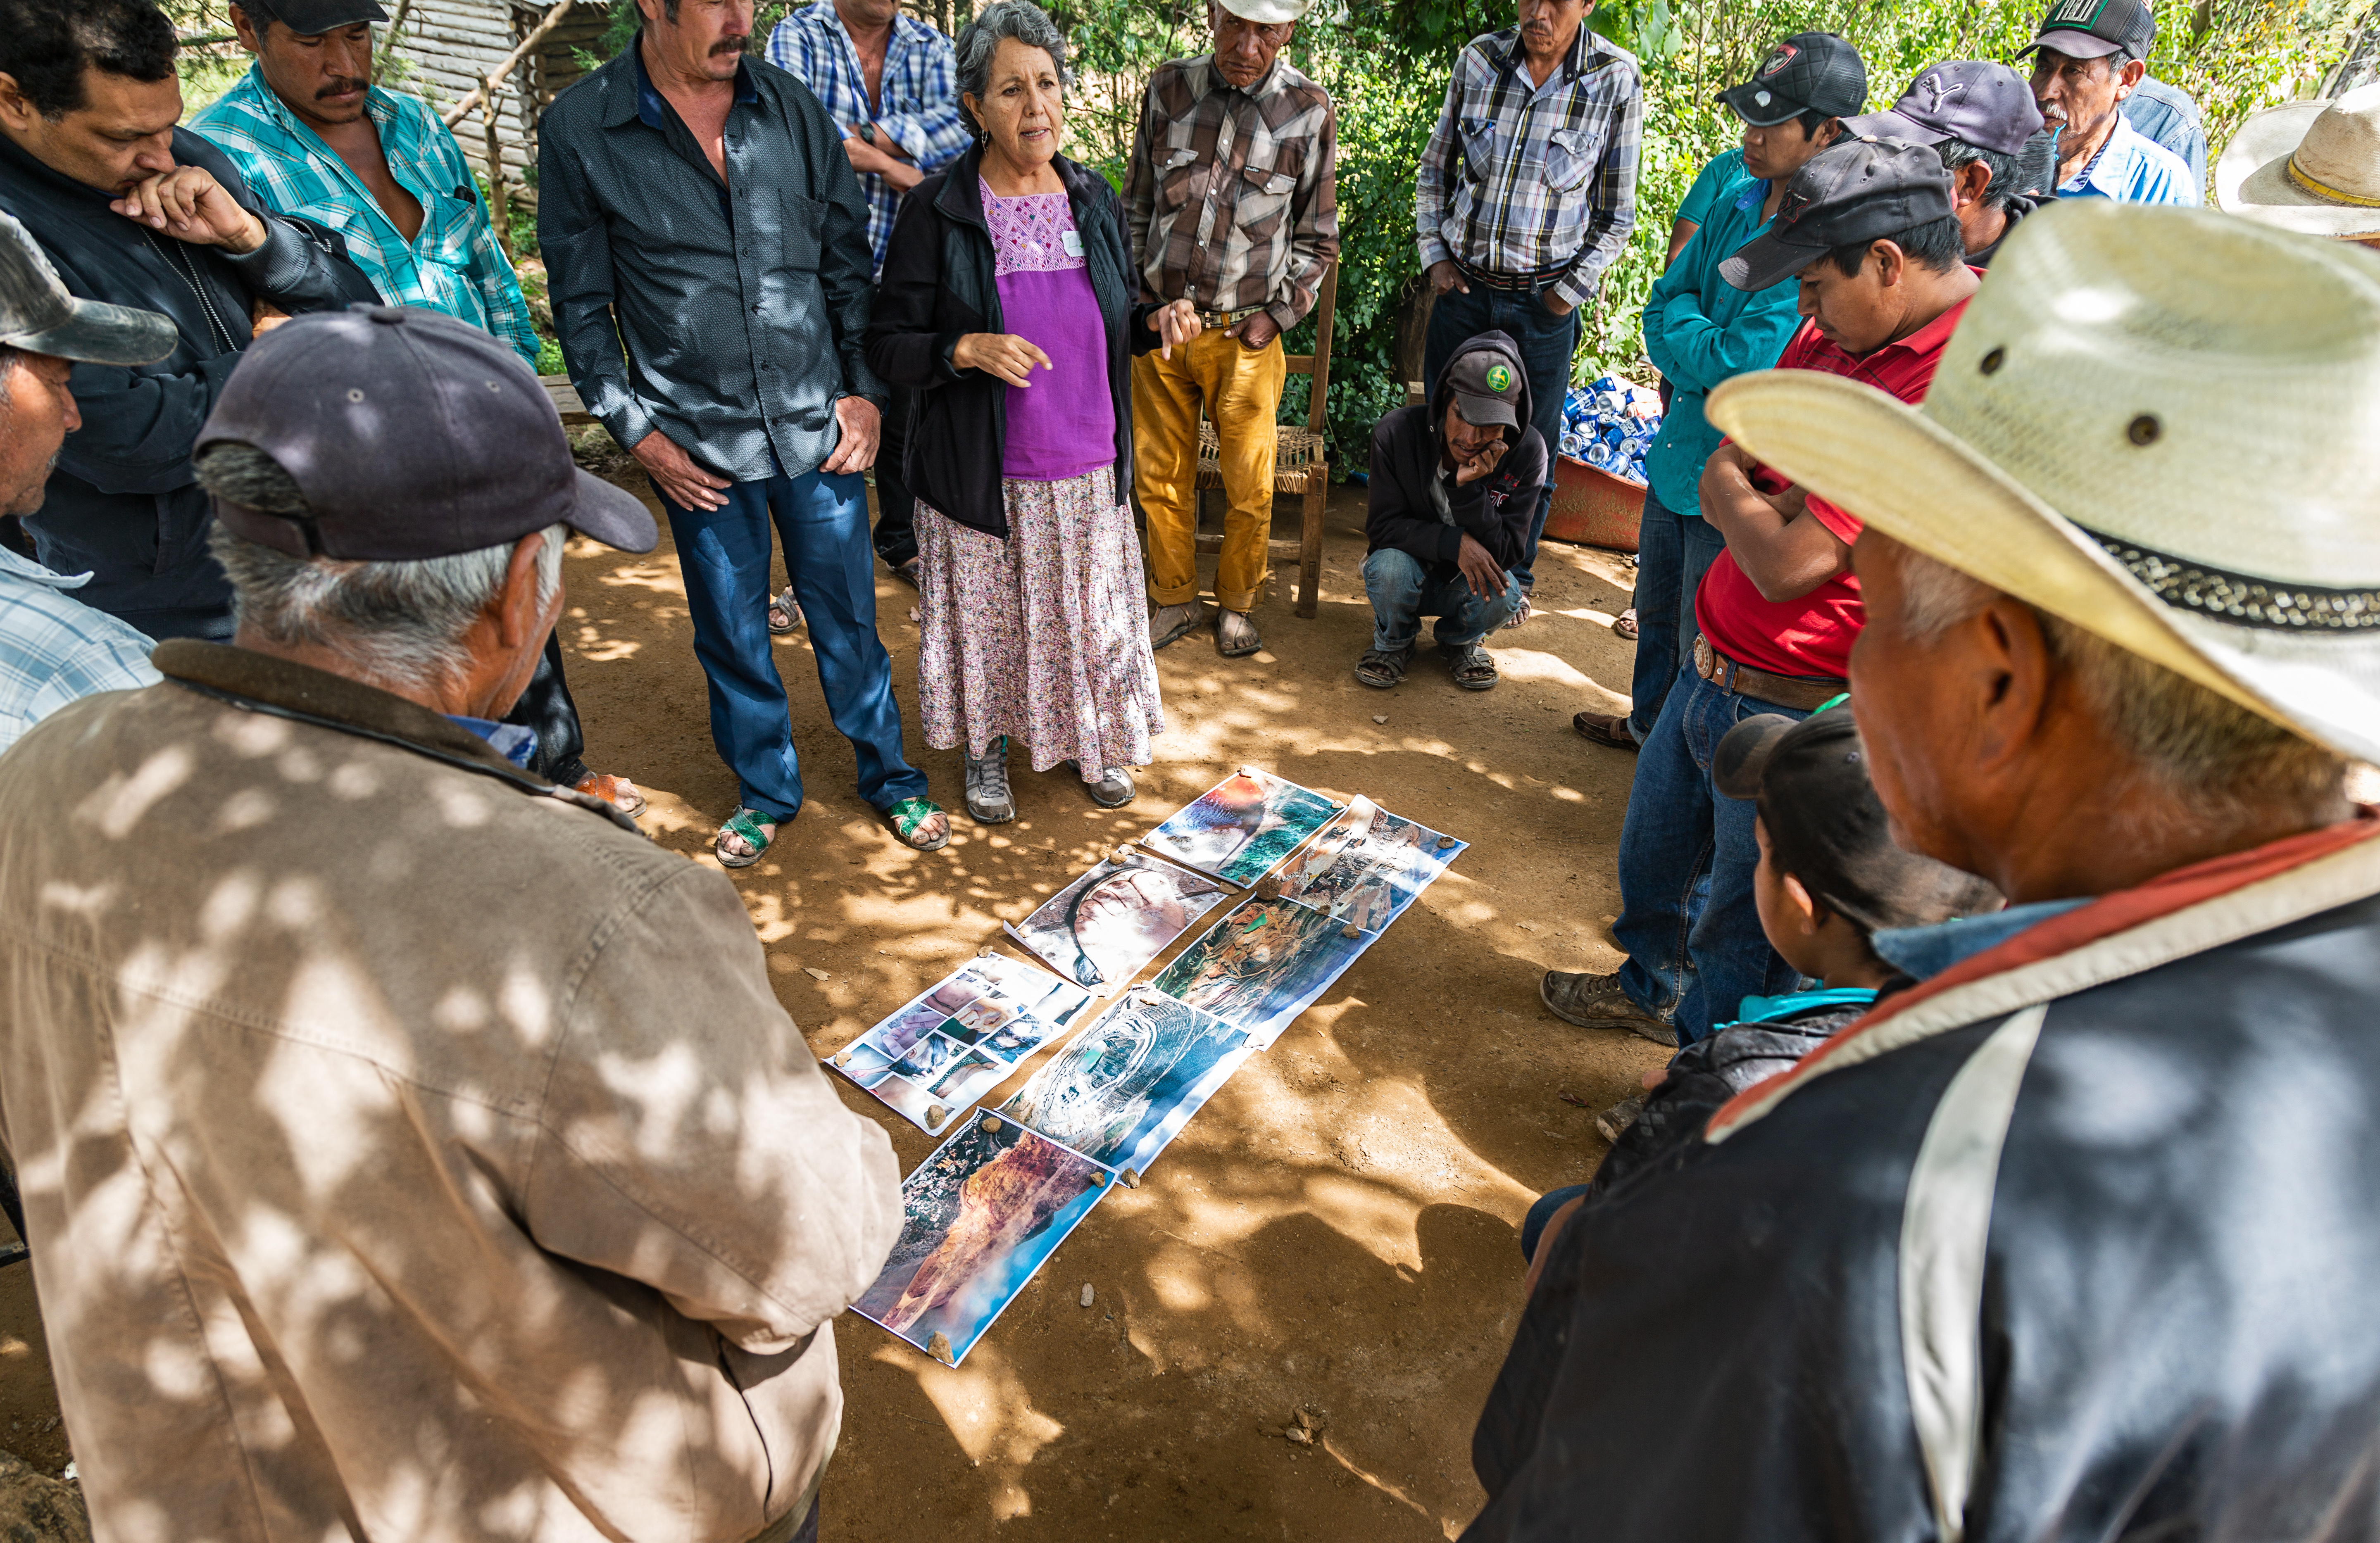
x: 910, y: 814
x: 751, y: 828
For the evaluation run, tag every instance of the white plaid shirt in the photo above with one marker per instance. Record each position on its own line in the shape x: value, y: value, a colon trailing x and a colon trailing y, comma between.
x: 54, y: 649
x: 918, y: 106
x: 1522, y: 180
x: 453, y: 265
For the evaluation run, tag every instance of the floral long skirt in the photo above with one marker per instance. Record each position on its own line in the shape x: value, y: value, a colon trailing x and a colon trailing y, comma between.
x: 1042, y: 636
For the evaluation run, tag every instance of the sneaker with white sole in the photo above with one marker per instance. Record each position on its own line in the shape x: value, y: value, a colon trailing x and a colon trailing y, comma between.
x: 987, y: 798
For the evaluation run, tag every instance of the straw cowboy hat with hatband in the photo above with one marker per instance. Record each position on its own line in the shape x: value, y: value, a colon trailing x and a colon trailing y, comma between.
x: 2311, y: 166
x: 2160, y: 424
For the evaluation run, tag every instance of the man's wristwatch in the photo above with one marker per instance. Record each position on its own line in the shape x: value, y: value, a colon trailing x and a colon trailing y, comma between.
x: 867, y: 132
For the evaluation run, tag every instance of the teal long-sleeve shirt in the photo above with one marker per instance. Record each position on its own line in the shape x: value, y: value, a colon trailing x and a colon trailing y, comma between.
x: 1700, y: 330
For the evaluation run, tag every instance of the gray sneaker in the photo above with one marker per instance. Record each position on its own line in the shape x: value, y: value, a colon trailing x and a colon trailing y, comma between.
x: 1596, y: 1002
x: 988, y: 798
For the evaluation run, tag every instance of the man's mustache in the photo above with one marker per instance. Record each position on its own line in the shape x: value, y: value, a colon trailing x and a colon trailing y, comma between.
x: 729, y: 46
x: 338, y: 86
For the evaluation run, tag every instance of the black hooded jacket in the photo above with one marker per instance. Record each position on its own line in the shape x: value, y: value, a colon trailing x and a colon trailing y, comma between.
x: 124, y: 503
x: 1408, y: 448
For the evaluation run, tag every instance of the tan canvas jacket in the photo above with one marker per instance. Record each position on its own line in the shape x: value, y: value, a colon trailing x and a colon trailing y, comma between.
x: 408, y: 1154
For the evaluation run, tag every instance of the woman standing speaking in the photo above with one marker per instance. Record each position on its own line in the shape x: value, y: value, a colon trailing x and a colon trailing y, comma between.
x: 1008, y: 305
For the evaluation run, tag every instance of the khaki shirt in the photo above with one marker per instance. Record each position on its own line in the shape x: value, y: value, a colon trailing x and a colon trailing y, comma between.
x: 407, y: 1153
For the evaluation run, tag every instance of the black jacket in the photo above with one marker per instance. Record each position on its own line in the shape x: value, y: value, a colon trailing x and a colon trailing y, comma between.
x: 1407, y: 445
x: 938, y: 283
x: 725, y: 314
x: 122, y: 502
x: 2139, y: 1175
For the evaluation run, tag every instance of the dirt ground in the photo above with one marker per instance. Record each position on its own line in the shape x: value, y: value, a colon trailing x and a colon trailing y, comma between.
x: 1336, y: 1230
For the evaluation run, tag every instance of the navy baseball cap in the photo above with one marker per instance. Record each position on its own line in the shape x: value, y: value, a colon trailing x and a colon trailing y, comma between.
x: 2095, y: 29
x: 1827, y: 828
x: 1809, y: 72
x: 411, y: 436
x: 311, y: 18
x: 1986, y: 105
x: 1847, y: 194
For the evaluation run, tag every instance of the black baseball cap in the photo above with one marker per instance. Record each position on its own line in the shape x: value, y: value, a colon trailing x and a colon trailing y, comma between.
x: 1826, y: 827
x: 1848, y: 193
x: 311, y: 18
x: 1809, y: 72
x: 1987, y: 105
x: 38, y: 316
x: 1486, y: 386
x: 411, y: 436
x: 2095, y: 29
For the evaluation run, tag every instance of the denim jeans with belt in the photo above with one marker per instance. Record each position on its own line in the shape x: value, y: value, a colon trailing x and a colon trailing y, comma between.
x: 1673, y: 551
x: 822, y: 519
x: 1692, y: 960
x: 1404, y: 589
x: 1547, y: 344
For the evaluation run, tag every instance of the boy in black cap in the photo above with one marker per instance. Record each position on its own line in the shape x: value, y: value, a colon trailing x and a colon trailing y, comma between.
x: 1700, y: 331
x: 1453, y: 490
x: 1980, y: 119
x: 1830, y: 878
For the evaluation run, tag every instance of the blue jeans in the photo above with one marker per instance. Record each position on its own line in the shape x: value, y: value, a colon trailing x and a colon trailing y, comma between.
x: 1404, y: 589
x: 1692, y: 960
x: 1547, y: 344
x: 1673, y: 551
x: 822, y: 519
x: 1533, y: 1226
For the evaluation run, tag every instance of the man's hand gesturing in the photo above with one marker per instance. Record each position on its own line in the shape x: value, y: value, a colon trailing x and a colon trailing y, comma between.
x: 188, y: 204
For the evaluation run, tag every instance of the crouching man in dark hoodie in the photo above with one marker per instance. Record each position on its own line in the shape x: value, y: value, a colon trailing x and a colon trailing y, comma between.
x: 1454, y: 485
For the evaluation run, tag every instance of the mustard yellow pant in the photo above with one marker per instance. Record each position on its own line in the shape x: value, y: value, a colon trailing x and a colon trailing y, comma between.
x: 1241, y: 390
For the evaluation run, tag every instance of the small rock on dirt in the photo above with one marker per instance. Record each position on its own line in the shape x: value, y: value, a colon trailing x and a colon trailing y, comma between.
x: 1379, y: 718
x: 815, y: 973
x: 37, y: 1509
x: 1089, y: 1295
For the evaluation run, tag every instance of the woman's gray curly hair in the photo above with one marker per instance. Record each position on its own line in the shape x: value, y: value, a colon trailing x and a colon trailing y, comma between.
x: 979, y: 40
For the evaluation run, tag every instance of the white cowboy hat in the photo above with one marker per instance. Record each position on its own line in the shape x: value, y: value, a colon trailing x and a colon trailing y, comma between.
x: 2310, y: 166
x: 2160, y: 424
x: 1267, y: 13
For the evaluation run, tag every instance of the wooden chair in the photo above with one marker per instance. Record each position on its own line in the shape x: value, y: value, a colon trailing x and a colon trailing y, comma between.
x: 1302, y: 459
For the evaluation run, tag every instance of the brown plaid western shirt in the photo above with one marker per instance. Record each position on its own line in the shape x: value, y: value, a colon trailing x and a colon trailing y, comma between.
x: 1232, y: 198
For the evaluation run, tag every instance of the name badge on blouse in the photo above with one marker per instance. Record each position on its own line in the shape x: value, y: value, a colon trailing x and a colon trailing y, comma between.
x: 1073, y: 244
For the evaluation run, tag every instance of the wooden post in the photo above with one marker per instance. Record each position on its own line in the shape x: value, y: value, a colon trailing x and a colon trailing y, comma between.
x: 500, y: 203
x: 485, y: 92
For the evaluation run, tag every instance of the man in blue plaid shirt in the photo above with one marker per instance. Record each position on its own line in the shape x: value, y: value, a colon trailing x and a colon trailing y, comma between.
x: 1524, y: 194
x: 313, y: 136
x: 892, y: 82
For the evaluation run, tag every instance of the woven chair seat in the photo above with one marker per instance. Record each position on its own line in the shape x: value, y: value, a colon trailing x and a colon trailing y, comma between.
x: 1296, y: 451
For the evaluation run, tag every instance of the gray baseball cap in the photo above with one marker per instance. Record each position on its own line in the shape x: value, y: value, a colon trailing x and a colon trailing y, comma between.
x: 1983, y: 104
x: 411, y: 436
x: 1855, y: 191
x: 38, y: 315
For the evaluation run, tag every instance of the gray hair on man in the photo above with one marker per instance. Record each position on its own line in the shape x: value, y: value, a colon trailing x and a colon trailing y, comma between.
x: 980, y: 39
x: 403, y: 624
x: 2213, y: 751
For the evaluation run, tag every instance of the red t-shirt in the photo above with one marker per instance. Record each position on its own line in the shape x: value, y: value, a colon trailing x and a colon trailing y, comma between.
x: 1813, y: 635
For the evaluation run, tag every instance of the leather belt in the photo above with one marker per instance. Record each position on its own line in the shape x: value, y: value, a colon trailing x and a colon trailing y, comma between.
x: 1743, y: 680
x: 1220, y: 319
x: 1519, y: 284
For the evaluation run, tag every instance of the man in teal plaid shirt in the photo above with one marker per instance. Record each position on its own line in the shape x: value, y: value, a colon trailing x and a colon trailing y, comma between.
x: 314, y: 136
x: 377, y: 167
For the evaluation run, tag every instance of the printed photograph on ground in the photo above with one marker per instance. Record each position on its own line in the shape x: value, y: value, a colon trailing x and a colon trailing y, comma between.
x: 1263, y: 965
x: 1368, y: 865
x: 949, y: 1046
x: 1122, y: 1089
x: 1101, y: 928
x: 977, y: 1218
x: 1241, y: 826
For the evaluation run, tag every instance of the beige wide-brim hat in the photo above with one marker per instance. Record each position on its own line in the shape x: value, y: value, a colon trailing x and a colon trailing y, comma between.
x: 1267, y: 13
x: 2161, y: 424
x: 2312, y: 167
